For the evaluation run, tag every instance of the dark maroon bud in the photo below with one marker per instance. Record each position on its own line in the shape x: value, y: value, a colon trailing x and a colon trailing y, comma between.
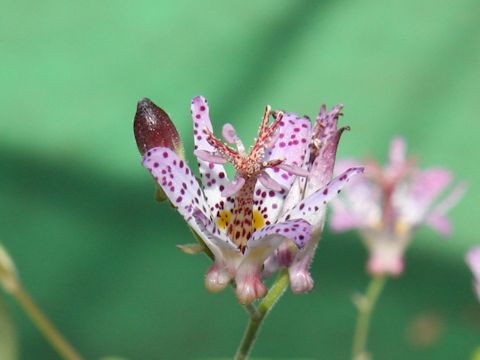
x: 152, y: 127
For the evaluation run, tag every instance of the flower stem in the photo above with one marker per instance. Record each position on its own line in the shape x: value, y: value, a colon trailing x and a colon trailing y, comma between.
x: 257, y: 317
x: 365, y: 309
x: 44, y: 324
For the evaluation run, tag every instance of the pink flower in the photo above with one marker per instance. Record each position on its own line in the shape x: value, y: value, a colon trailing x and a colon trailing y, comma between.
x: 243, y: 221
x: 388, y: 204
x: 473, y: 261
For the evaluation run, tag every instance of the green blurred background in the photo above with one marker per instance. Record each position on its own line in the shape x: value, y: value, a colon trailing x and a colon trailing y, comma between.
x: 77, y: 210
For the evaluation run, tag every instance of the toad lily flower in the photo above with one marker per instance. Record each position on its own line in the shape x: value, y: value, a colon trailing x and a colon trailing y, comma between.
x: 387, y: 205
x: 473, y: 261
x: 243, y: 221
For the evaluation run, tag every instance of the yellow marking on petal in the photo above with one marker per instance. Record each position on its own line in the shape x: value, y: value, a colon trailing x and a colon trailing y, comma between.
x: 258, y: 220
x: 401, y: 228
x: 224, y: 219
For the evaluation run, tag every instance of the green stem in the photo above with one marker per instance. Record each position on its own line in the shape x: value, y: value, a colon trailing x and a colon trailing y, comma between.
x: 365, y: 310
x: 252, y: 311
x: 257, y: 317
x: 44, y: 325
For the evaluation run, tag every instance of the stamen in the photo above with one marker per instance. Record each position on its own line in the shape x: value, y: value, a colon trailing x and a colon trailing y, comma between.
x: 210, y: 157
x: 234, y: 187
x: 230, y: 134
x: 223, y: 150
x: 265, y: 134
x: 266, y: 119
x: 294, y: 170
x: 267, y: 181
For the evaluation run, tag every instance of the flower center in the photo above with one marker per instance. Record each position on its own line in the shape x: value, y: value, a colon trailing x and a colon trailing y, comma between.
x: 242, y: 221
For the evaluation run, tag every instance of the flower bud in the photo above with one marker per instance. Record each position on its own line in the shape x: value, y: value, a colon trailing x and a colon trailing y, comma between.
x: 153, y: 127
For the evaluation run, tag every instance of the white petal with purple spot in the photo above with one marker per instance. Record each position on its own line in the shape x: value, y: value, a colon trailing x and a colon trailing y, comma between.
x: 214, y: 176
x: 178, y: 182
x: 291, y: 144
x: 313, y: 207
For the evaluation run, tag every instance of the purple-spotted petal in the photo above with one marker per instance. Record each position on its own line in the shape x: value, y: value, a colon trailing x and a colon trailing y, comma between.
x: 214, y: 176
x: 297, y: 230
x: 312, y: 208
x: 327, y: 121
x: 225, y: 253
x: 291, y: 143
x: 266, y: 241
x: 177, y: 181
x: 216, y: 239
x: 323, y: 161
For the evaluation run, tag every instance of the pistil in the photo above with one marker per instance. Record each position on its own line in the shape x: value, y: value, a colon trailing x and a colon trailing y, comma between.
x: 250, y: 168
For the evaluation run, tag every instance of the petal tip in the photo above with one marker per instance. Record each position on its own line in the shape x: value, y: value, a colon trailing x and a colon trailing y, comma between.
x: 199, y: 100
x: 217, y: 278
x: 301, y: 281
